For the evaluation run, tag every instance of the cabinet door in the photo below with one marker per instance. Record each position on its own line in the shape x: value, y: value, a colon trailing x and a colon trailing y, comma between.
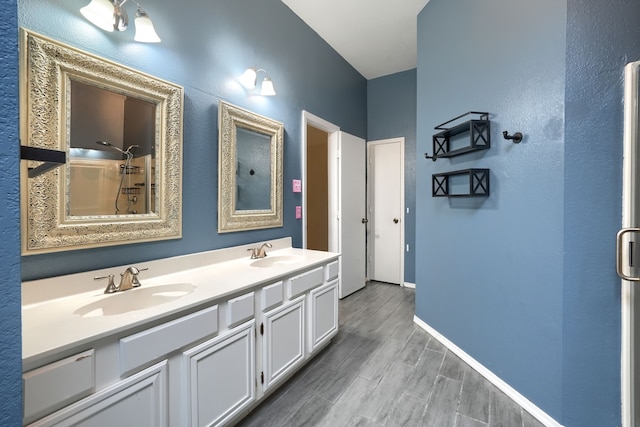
x: 140, y: 400
x: 220, y: 376
x: 283, y: 340
x: 323, y: 315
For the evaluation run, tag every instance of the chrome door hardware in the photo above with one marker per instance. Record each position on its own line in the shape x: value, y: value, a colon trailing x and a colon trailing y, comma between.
x: 619, y: 248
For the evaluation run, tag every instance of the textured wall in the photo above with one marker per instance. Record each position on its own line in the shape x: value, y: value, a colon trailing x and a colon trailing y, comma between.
x: 489, y: 271
x: 205, y: 47
x: 391, y: 112
x: 10, y: 342
x: 601, y: 39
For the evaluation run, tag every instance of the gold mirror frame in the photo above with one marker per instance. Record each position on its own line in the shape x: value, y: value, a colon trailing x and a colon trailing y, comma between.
x: 46, y: 70
x: 230, y: 219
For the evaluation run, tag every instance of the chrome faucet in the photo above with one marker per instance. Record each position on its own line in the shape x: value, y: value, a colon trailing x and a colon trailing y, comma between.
x: 128, y: 280
x: 260, y: 252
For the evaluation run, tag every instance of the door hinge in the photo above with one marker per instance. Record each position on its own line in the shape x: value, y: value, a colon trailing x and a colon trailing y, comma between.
x: 262, y: 377
x: 261, y: 328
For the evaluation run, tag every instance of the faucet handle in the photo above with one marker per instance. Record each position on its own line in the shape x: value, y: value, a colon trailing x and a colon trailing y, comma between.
x: 111, y: 286
x: 254, y: 253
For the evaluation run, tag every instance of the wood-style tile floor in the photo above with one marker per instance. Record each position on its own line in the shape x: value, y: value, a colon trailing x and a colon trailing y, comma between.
x: 383, y: 370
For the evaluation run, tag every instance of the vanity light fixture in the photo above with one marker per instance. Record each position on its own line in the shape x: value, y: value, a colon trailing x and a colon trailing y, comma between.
x: 110, y: 15
x: 250, y: 77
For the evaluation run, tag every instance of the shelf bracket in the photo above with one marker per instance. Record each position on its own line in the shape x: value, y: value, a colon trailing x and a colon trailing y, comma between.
x: 51, y: 159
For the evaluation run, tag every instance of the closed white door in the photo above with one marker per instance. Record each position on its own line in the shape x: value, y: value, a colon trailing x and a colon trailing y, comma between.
x: 352, y: 212
x: 386, y: 229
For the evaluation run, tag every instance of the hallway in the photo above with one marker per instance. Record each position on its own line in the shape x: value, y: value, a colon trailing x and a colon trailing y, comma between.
x: 383, y: 370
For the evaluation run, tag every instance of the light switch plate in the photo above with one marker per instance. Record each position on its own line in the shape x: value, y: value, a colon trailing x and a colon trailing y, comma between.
x: 298, y: 212
x: 297, y: 186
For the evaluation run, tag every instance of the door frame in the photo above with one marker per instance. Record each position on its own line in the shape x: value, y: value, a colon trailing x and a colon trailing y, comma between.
x: 333, y: 132
x: 371, y: 213
x: 631, y: 95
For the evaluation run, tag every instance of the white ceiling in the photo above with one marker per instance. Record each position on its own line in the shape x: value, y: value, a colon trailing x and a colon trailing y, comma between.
x: 377, y: 37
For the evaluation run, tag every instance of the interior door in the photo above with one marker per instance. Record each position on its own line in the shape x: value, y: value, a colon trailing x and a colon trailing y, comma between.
x: 628, y: 261
x: 387, y: 194
x: 352, y: 212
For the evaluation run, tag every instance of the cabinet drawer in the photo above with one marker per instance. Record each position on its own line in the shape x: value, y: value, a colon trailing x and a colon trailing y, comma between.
x: 332, y: 270
x: 140, y: 401
x: 148, y: 346
x: 305, y: 281
x: 240, y: 309
x: 58, y: 384
x: 271, y: 296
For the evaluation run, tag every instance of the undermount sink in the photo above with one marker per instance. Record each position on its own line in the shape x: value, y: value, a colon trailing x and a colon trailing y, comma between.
x: 135, y: 299
x: 277, y: 261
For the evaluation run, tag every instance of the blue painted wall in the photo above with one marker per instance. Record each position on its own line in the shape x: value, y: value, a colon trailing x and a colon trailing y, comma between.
x: 10, y: 334
x: 529, y: 288
x: 204, y: 48
x: 391, y: 112
x: 489, y: 271
x: 601, y: 39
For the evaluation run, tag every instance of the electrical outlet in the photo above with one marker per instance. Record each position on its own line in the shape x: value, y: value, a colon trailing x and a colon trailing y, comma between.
x: 298, y: 212
x: 297, y: 186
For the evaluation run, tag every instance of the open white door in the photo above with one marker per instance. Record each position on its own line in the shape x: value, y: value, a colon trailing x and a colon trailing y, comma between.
x: 352, y: 212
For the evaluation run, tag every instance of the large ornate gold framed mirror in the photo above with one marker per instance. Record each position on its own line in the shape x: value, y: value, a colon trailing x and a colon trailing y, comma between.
x: 121, y: 132
x: 250, y: 170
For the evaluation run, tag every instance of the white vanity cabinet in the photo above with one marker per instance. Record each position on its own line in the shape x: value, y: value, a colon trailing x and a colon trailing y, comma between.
x: 220, y: 377
x: 299, y: 323
x: 207, y: 366
x: 139, y: 400
x: 323, y: 315
x: 283, y: 342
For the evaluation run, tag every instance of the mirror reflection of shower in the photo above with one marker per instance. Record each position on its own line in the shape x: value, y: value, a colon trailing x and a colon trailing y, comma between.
x: 125, y: 171
x: 96, y: 168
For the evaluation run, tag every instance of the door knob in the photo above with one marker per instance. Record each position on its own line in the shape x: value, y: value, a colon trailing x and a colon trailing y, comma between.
x: 395, y: 220
x: 365, y: 220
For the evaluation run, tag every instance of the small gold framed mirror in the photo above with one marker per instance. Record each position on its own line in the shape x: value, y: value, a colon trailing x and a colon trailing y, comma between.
x: 250, y: 172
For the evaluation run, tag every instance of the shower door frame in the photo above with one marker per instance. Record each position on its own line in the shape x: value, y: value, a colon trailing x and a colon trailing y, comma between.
x: 630, y: 222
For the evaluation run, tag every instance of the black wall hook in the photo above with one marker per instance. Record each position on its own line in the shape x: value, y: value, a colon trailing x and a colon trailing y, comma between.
x: 427, y: 156
x: 516, y: 137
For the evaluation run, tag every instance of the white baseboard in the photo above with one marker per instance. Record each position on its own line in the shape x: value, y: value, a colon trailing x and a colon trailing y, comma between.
x: 525, y: 403
x: 409, y: 285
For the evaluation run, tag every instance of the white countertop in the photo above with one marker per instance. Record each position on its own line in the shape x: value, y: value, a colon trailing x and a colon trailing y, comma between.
x: 49, y: 324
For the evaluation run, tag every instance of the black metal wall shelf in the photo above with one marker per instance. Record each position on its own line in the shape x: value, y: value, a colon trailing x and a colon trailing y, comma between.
x: 478, y: 183
x: 479, y: 135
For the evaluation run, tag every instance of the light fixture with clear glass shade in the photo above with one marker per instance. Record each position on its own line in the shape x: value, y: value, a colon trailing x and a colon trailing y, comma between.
x: 110, y: 15
x: 249, y: 80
